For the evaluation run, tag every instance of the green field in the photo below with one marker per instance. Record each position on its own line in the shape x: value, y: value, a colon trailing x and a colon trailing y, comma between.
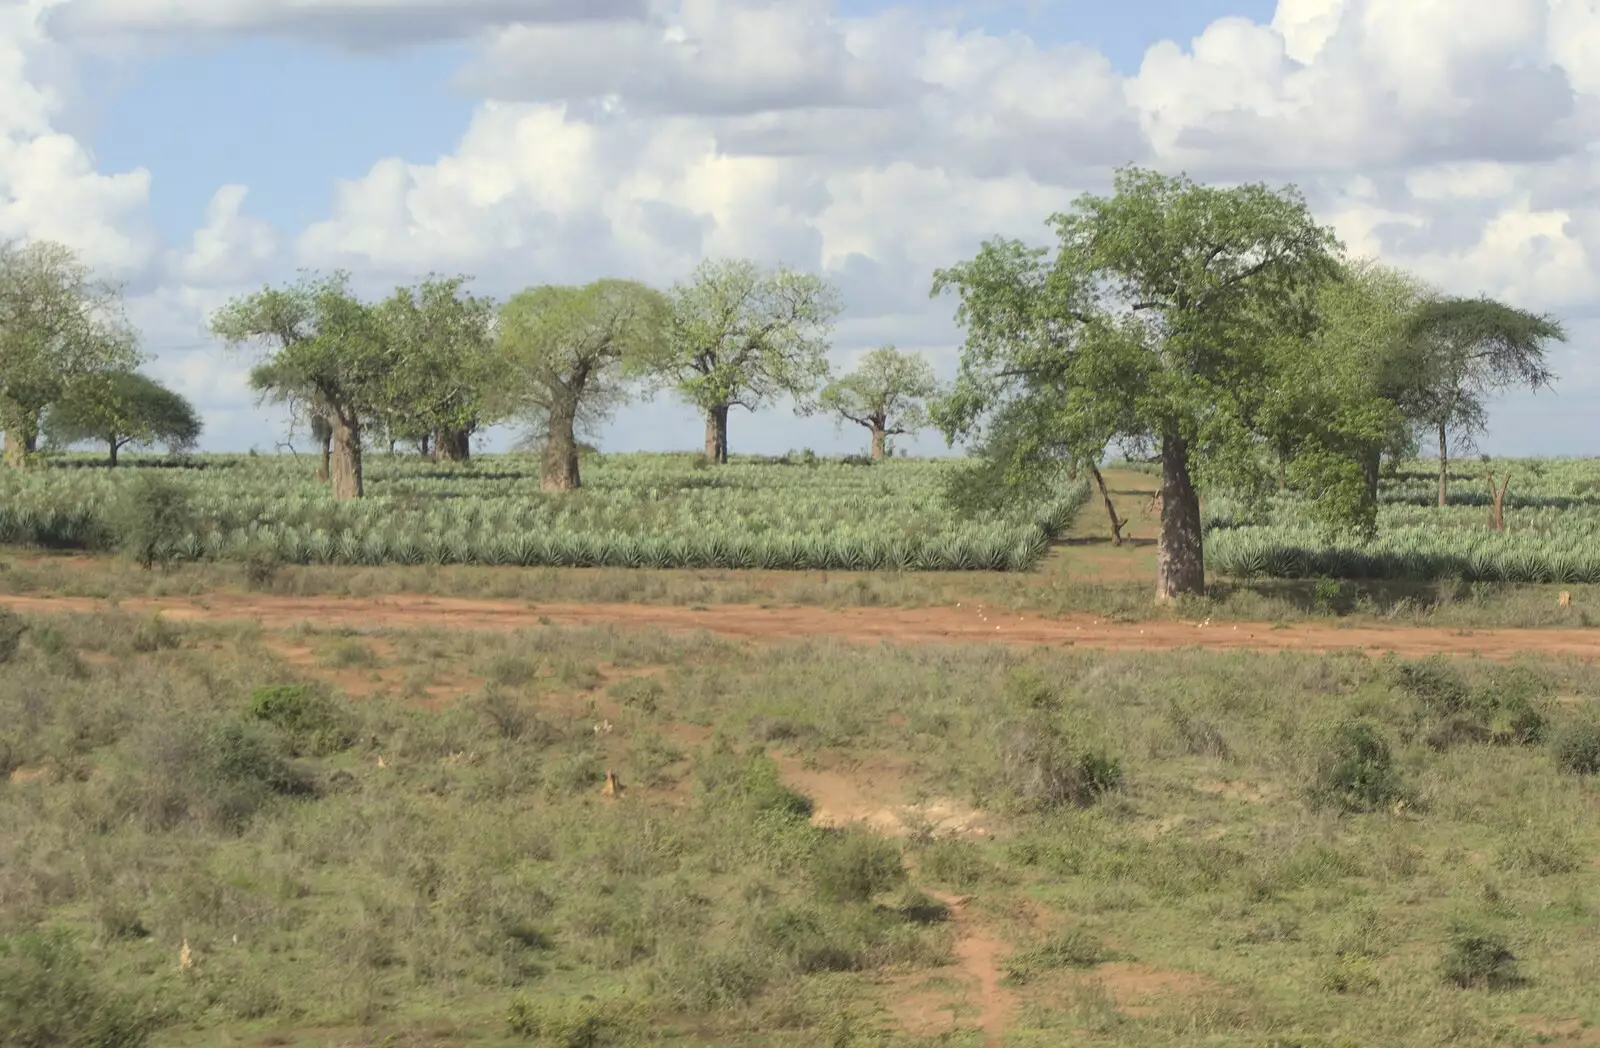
x: 1134, y: 850
x: 1552, y: 517
x: 795, y: 513
x: 656, y: 511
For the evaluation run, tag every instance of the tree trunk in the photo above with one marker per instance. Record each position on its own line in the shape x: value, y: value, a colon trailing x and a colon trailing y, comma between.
x: 717, y: 434
x: 1111, y: 511
x: 878, y: 442
x: 325, y: 470
x: 455, y: 445
x: 1444, y: 467
x: 425, y: 445
x: 21, y: 443
x: 1371, y: 471
x: 559, y: 470
x: 1180, y: 553
x: 114, y: 448
x: 1283, y: 473
x: 345, y: 465
x: 1497, y: 510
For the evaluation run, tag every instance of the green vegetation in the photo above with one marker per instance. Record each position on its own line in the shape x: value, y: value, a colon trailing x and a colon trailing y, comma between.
x: 1551, y: 531
x: 637, y: 511
x: 454, y: 869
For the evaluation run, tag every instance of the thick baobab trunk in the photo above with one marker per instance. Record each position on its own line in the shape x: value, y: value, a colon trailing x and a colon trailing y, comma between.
x: 559, y: 470
x: 454, y: 445
x: 344, y: 467
x: 1444, y: 468
x: 1371, y: 470
x: 21, y: 443
x: 879, y: 443
x: 1111, y: 511
x: 325, y: 467
x: 717, y: 434
x: 1180, y: 552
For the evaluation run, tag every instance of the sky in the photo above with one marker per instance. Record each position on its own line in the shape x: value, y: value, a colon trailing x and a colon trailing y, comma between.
x: 196, y: 151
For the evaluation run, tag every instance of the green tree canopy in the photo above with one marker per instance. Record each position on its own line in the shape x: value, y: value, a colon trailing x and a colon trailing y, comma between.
x: 568, y: 355
x: 57, y: 324
x: 122, y: 408
x: 1338, y: 399
x: 886, y: 394
x: 443, y: 382
x: 326, y: 349
x: 1153, y: 325
x: 742, y: 337
x: 1463, y: 350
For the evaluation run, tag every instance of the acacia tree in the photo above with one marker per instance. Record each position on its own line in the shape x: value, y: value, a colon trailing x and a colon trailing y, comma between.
x: 329, y: 351
x: 1463, y: 350
x: 886, y: 394
x: 1338, y: 399
x: 57, y: 325
x: 122, y: 408
x: 1168, y: 296
x: 742, y: 337
x: 568, y: 355
x: 440, y: 384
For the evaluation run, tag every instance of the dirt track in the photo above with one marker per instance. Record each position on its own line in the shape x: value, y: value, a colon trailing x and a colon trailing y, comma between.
x: 962, y: 624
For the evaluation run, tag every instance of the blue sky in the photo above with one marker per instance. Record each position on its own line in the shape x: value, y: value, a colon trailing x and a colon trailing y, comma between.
x: 861, y: 139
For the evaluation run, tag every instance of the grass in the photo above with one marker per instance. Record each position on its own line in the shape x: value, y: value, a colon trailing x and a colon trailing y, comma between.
x: 360, y: 866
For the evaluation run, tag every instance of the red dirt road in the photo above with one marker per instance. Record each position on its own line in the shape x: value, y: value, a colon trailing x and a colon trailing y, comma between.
x: 968, y: 624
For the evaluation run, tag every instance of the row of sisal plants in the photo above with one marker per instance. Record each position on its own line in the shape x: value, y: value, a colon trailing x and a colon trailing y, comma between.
x: 638, y: 511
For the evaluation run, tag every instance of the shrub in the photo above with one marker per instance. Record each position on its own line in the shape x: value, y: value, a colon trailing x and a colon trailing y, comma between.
x: 261, y: 566
x: 1042, y: 768
x: 220, y: 775
x: 1576, y: 746
x: 751, y: 782
x: 511, y: 718
x: 512, y: 671
x: 1435, y: 685
x: 308, y: 717
x: 640, y: 693
x: 1070, y: 949
x: 566, y: 1022
x: 50, y: 998
x: 153, y: 516
x: 1480, y: 959
x: 853, y: 866
x: 1355, y: 770
x: 954, y: 862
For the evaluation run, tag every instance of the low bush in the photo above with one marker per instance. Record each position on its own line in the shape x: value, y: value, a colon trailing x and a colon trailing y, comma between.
x: 573, y: 1022
x: 1477, y: 959
x: 219, y: 775
x: 854, y: 866
x: 1355, y: 770
x: 1070, y: 949
x: 1042, y: 767
x: 50, y: 997
x: 152, y: 517
x: 311, y: 720
x: 1576, y: 746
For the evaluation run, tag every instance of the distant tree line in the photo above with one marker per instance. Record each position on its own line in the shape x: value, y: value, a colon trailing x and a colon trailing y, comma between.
x: 1222, y: 332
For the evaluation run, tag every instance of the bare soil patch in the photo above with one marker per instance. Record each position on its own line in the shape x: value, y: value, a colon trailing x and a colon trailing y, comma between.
x: 876, y: 794
x: 966, y: 623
